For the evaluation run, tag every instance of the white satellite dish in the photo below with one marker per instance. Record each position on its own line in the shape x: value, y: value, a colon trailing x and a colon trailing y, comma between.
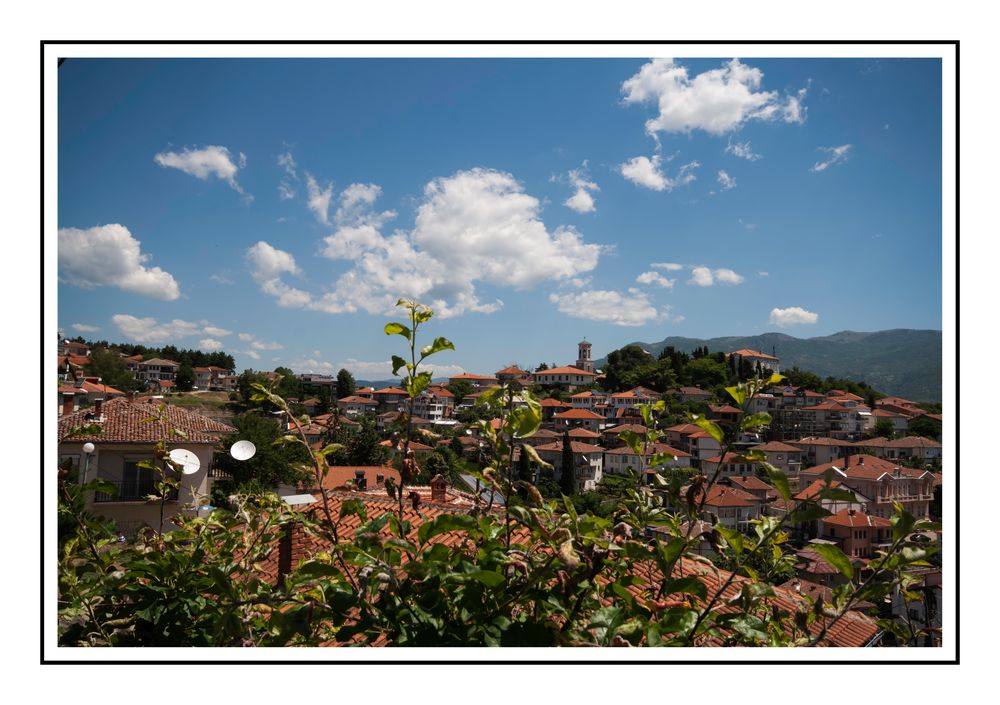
x: 242, y: 450
x: 186, y: 459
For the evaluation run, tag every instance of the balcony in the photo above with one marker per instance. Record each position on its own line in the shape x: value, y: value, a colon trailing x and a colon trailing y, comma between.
x: 131, y: 491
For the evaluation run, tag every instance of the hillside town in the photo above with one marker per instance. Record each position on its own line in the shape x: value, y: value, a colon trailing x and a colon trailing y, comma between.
x: 885, y: 451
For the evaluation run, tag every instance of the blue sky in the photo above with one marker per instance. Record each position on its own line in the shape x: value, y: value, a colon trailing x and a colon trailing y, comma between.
x: 276, y: 208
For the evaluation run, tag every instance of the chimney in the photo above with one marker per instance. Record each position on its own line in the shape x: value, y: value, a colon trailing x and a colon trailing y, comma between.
x: 67, y: 404
x: 291, y: 547
x: 379, y: 479
x: 439, y: 489
x: 861, y: 460
x: 851, y: 512
x: 98, y: 403
x: 360, y: 480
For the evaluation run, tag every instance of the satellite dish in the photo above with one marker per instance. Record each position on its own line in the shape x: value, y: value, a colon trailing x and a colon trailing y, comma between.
x: 186, y: 459
x: 242, y: 450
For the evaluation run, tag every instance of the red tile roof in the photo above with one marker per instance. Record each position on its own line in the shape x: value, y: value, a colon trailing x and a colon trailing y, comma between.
x: 914, y: 442
x: 339, y: 475
x: 749, y: 482
x: 391, y: 390
x: 651, y: 449
x: 723, y: 409
x: 865, y: 467
x: 777, y: 447
x: 685, y: 428
x: 576, y: 446
x: 566, y: 371
x: 751, y: 353
x: 471, y: 376
x: 357, y: 400
x: 578, y: 414
x: 633, y: 427
x: 722, y: 496
x: 582, y: 433
x: 125, y: 421
x: 512, y: 371
x: 814, y: 489
x: 730, y: 458
x: 854, y: 519
x: 555, y: 403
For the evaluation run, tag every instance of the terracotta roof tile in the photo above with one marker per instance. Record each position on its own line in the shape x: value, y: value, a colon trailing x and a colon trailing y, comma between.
x: 125, y: 421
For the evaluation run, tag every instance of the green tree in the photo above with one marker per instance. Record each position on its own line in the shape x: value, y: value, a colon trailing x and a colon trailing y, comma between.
x: 623, y: 366
x: 461, y: 388
x: 245, y: 382
x: 924, y: 426
x: 110, y: 367
x: 705, y: 372
x: 884, y: 429
x: 185, y: 378
x: 345, y: 384
x: 289, y: 385
x: 567, y: 475
x: 271, y: 465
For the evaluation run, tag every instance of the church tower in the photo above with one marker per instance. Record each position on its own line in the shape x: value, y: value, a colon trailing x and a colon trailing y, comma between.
x: 583, y: 360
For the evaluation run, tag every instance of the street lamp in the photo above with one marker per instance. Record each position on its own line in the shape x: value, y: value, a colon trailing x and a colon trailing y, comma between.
x: 88, y: 450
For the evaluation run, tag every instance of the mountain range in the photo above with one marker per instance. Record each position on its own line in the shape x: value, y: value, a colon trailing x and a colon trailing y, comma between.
x: 900, y: 362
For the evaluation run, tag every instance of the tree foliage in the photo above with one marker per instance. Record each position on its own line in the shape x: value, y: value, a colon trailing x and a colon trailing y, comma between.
x: 346, y: 385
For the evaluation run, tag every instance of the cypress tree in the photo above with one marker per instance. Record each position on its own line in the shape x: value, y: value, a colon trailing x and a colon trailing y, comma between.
x: 567, y: 478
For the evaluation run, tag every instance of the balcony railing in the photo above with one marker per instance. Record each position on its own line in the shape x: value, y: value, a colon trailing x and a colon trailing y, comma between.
x: 131, y: 491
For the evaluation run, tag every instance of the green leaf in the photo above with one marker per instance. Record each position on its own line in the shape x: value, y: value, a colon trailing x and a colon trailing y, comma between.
x: 524, y: 421
x: 710, y: 427
x: 397, y: 329
x: 633, y: 440
x: 535, y: 458
x: 415, y: 385
x: 835, y: 557
x: 444, y: 524
x: 837, y: 494
x: 689, y: 585
x: 488, y: 578
x: 331, y: 448
x: 354, y: 506
x: 779, y: 480
x: 398, y: 363
x: 809, y: 511
x: 738, y: 393
x: 317, y: 569
x: 438, y: 345
x: 661, y: 459
x: 755, y: 420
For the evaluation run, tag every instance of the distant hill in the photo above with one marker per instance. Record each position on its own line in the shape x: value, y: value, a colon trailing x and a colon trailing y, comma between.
x: 900, y: 362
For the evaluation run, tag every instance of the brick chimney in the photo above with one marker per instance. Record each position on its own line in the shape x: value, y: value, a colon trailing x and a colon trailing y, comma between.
x: 291, y: 547
x: 439, y: 489
x: 68, y: 404
x: 98, y: 403
x: 360, y: 480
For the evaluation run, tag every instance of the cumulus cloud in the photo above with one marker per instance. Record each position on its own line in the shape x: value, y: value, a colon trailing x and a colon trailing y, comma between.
x: 742, y: 150
x: 212, y: 160
x: 150, y: 330
x: 668, y: 266
x: 655, y: 278
x: 792, y: 316
x: 253, y: 354
x: 703, y: 276
x: 319, y: 198
x: 210, y: 344
x: 835, y: 155
x: 108, y: 255
x: 726, y: 181
x: 581, y: 201
x: 646, y: 172
x: 631, y: 309
x: 717, y: 101
x: 359, y: 225
x: 84, y: 328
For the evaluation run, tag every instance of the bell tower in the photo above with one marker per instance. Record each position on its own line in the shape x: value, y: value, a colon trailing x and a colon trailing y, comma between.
x: 583, y: 360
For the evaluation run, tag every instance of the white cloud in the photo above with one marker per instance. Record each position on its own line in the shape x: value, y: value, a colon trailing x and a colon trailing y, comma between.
x: 792, y: 316
x: 220, y: 279
x: 108, y: 255
x: 474, y: 226
x: 726, y: 181
x: 211, y: 160
x: 150, y: 330
x: 655, y: 278
x: 210, y: 344
x: 703, y: 276
x: 717, y: 101
x: 646, y: 172
x: 669, y: 266
x: 727, y: 276
x: 319, y: 199
x: 763, y: 274
x: 246, y: 337
x: 285, y: 189
x: 84, y: 328
x: 253, y: 354
x: 631, y: 309
x: 742, y: 150
x: 835, y: 155
x: 263, y: 345
x: 581, y: 201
